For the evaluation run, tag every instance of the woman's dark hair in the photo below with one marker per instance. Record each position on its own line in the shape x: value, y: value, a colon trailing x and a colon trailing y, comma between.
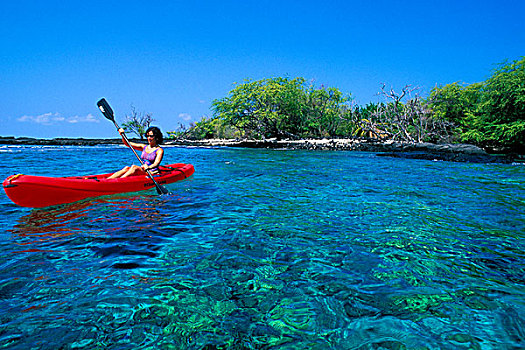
x: 157, y: 133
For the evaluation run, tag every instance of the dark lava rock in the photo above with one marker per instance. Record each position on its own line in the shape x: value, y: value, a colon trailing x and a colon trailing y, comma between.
x: 445, y: 152
x: 57, y: 141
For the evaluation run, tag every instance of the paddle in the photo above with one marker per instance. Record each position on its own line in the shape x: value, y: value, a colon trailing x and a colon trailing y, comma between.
x: 104, y: 107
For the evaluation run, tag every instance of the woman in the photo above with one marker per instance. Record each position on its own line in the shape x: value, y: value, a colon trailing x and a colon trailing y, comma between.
x: 151, y: 155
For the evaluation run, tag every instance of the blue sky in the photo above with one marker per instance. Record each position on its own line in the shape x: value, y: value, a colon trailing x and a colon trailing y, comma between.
x: 173, y: 58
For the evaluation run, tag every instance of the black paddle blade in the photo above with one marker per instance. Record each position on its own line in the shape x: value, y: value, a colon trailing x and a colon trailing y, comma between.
x: 104, y: 107
x: 162, y: 190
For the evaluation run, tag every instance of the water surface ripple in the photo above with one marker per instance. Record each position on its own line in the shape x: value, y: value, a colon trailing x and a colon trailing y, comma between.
x: 268, y: 249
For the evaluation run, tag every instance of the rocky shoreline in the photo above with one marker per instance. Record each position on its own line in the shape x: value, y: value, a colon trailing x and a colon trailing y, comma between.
x: 428, y: 151
x: 10, y: 140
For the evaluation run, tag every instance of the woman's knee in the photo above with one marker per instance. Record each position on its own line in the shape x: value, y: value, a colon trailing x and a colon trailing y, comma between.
x: 134, y: 169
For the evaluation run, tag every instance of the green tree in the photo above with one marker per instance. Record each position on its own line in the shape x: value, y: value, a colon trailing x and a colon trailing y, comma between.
x: 206, y: 128
x: 456, y: 105
x: 490, y: 113
x: 264, y: 108
x: 283, y: 107
x: 455, y: 102
x: 502, y: 109
x: 327, y: 111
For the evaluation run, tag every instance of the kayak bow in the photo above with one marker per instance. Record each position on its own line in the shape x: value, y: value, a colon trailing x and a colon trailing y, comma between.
x: 43, y: 191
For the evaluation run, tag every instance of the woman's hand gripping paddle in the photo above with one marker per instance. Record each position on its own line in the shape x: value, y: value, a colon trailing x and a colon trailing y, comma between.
x: 104, y: 107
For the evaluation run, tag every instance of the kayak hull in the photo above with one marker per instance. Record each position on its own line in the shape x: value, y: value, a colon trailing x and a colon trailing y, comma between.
x: 43, y: 191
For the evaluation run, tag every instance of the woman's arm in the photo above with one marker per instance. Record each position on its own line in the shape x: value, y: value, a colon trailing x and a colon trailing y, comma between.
x: 137, y: 146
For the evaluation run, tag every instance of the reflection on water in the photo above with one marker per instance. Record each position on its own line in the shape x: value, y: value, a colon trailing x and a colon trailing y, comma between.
x: 270, y: 249
x: 41, y: 225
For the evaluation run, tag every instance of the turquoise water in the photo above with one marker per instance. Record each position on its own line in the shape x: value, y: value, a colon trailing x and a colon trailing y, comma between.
x: 268, y: 249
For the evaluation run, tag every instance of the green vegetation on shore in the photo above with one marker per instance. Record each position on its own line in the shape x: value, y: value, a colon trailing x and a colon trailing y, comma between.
x: 490, y: 114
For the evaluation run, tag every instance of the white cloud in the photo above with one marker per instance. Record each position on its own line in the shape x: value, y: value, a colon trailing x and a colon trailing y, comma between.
x: 185, y: 117
x: 55, y: 118
x: 87, y: 119
x: 45, y: 119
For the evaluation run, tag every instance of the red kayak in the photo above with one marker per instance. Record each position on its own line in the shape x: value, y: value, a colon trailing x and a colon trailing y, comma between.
x: 43, y: 191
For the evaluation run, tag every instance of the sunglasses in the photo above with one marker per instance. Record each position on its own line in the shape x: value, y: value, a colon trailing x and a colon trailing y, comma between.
x: 149, y: 135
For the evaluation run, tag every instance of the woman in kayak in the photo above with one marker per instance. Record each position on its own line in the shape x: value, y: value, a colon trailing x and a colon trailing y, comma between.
x: 151, y: 155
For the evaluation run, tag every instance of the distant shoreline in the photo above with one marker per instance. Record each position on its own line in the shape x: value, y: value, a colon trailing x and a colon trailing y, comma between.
x: 66, y: 141
x: 428, y: 151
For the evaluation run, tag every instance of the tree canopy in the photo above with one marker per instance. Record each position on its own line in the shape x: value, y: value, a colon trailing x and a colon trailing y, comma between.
x: 283, y: 108
x: 489, y: 113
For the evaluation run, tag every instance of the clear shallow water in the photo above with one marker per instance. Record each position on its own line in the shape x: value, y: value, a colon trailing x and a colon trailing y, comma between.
x: 268, y: 249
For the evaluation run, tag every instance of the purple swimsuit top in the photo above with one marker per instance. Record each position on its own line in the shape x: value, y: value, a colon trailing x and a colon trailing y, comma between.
x: 148, y: 158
